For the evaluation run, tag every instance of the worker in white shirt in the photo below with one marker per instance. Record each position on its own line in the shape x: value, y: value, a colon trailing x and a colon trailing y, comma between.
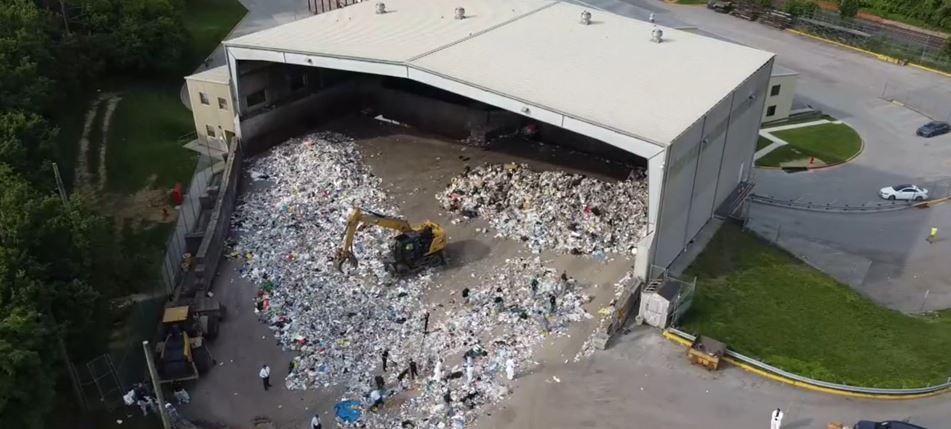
x: 265, y: 374
x: 315, y: 422
x: 776, y: 420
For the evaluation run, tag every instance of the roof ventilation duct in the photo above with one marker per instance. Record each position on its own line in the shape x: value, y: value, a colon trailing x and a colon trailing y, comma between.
x: 586, y: 18
x: 460, y: 13
x: 380, y: 8
x: 657, y: 35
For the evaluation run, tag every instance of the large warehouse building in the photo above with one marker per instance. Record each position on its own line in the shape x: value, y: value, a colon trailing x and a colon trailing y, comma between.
x: 687, y: 106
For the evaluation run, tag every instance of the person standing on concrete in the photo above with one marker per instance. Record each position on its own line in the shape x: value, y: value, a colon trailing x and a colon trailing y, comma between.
x: 776, y: 420
x: 385, y: 356
x: 265, y: 374
x: 315, y: 422
x: 469, y: 371
x: 933, y: 235
x: 413, y: 371
x: 437, y: 372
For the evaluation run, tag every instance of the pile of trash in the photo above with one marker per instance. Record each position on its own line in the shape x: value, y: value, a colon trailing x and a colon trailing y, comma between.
x: 344, y: 326
x: 553, y: 210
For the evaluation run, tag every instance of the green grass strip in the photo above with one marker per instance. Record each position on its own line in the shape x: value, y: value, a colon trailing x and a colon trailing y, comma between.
x: 765, y: 303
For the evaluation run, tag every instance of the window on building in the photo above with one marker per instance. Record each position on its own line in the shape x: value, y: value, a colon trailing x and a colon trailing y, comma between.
x: 774, y: 91
x: 203, y: 97
x: 256, y: 98
x: 770, y: 111
x: 222, y: 103
x: 210, y: 130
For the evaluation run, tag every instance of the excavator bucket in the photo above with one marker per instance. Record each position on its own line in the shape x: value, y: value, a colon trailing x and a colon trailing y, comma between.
x: 344, y: 256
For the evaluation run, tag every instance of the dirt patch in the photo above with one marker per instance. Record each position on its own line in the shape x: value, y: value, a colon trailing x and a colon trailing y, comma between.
x: 146, y: 206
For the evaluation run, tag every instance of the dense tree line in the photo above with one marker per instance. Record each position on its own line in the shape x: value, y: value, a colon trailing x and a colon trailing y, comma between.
x: 58, y: 262
x: 933, y: 12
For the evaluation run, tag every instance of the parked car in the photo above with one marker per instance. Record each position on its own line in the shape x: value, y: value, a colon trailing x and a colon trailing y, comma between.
x: 933, y: 128
x: 904, y: 192
x: 890, y: 424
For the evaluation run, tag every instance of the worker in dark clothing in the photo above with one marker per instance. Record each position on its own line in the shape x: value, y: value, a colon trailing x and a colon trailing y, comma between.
x: 551, y: 300
x: 413, y: 372
x: 380, y: 383
x: 426, y: 323
x: 385, y: 356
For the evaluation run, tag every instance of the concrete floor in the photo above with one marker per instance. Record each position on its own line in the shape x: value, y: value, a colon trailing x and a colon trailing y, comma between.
x: 644, y: 381
x: 413, y: 168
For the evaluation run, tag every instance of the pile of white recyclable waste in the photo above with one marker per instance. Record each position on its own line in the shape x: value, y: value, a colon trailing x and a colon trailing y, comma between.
x: 287, y: 233
x: 553, y: 210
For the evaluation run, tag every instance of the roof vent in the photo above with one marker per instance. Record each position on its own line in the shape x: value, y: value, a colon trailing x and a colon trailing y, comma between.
x: 380, y: 8
x: 586, y: 18
x: 657, y: 35
x: 460, y: 13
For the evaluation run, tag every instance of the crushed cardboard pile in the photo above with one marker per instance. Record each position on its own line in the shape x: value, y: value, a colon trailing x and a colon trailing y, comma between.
x: 553, y: 210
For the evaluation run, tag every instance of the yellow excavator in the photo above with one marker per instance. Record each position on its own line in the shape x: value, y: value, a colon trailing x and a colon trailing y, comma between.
x: 416, y: 247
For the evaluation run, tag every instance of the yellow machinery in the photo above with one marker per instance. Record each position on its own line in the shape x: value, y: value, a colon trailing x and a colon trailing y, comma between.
x: 416, y: 246
x: 706, y: 352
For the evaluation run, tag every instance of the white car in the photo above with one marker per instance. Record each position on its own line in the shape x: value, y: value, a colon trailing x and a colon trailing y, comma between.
x: 904, y: 192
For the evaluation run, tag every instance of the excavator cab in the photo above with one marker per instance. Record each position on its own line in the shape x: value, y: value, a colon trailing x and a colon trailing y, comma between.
x: 415, y: 248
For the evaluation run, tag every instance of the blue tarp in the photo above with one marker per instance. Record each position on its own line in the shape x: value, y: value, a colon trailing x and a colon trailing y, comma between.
x: 348, y: 411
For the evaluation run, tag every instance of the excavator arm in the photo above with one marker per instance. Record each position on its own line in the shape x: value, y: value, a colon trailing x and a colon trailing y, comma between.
x: 358, y: 217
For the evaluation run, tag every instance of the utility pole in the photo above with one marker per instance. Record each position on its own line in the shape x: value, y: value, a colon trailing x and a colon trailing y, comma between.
x: 59, y: 185
x: 153, y: 374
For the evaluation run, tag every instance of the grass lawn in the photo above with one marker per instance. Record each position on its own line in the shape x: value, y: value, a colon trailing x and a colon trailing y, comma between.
x: 765, y: 303
x: 762, y: 142
x: 830, y: 143
x: 145, y: 139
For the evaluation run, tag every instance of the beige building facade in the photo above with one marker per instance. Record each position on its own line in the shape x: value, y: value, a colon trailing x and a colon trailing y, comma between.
x: 212, y: 106
x: 780, y: 94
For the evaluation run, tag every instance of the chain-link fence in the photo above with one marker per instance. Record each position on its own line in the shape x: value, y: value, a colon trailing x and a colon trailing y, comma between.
x: 901, y: 43
x: 183, y: 242
x: 144, y: 310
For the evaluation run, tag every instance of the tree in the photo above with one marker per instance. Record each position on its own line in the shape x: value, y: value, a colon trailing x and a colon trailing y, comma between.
x: 849, y: 8
x: 26, y: 382
x: 801, y: 7
x: 25, y: 56
x: 24, y: 140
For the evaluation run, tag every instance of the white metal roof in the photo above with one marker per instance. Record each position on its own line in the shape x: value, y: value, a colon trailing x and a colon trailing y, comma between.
x: 408, y: 29
x: 604, y: 79
x: 218, y: 74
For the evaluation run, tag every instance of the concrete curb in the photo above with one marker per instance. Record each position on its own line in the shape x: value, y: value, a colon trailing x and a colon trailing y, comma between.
x: 855, y: 155
x: 778, y: 375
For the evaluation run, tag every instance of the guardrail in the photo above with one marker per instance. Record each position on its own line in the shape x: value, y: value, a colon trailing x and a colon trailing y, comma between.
x: 877, y: 207
x: 787, y: 377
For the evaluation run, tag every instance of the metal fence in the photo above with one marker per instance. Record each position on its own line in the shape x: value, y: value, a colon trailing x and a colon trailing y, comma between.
x: 901, y: 43
x: 824, y: 384
x: 179, y: 245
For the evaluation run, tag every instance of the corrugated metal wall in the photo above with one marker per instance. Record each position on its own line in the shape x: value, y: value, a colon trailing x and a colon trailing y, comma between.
x: 706, y: 163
